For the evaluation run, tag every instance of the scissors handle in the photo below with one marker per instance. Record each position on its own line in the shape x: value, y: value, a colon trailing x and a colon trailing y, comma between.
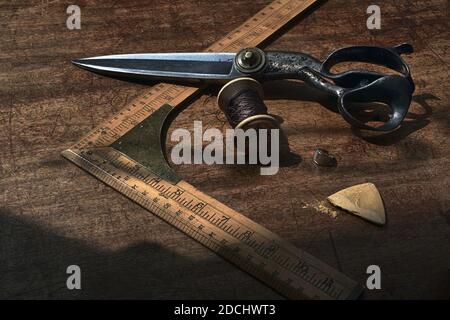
x: 353, y: 86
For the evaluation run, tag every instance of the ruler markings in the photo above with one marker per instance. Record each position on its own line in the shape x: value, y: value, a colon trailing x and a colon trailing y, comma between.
x: 236, y: 238
x: 149, y: 204
x: 276, y: 257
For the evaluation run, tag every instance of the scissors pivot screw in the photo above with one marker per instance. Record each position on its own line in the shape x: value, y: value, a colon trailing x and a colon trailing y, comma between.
x: 250, y: 60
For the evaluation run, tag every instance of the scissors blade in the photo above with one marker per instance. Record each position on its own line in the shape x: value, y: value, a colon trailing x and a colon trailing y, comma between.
x: 175, y: 66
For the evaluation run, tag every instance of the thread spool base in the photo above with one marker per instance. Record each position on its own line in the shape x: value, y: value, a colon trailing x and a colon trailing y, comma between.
x: 232, y: 90
x: 260, y: 121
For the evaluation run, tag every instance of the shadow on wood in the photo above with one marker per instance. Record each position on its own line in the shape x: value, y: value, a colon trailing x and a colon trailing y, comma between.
x: 37, y: 270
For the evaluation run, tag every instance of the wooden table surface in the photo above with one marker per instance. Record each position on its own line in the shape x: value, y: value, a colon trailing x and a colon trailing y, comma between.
x: 53, y: 214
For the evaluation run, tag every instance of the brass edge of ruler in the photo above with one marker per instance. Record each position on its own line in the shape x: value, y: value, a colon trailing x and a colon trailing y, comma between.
x: 311, y: 277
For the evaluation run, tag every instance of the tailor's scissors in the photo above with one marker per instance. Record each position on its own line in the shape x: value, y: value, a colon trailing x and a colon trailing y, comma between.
x: 350, y: 87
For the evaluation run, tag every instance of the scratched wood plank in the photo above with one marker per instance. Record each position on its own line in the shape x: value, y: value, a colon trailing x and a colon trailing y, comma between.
x: 52, y: 214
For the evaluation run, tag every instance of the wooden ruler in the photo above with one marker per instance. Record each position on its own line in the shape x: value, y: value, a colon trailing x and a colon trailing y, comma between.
x: 287, y: 269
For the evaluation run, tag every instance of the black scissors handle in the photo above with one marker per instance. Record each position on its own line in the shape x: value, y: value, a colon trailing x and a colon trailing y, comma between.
x: 352, y: 86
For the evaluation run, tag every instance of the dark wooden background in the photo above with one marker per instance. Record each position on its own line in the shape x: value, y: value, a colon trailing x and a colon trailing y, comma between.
x: 53, y: 214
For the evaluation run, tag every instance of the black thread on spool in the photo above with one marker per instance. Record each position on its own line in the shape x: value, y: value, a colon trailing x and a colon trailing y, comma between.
x: 247, y: 104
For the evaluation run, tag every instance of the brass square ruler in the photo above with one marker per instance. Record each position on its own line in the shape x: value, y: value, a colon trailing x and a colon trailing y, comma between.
x: 127, y: 153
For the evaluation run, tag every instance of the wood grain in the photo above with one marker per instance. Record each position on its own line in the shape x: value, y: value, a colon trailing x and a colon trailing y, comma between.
x: 52, y: 214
